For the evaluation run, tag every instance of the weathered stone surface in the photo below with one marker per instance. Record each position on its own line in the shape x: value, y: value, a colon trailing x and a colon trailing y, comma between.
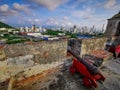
x: 113, y: 27
x: 92, y: 44
x: 2, y: 54
x: 44, y: 56
x: 42, y: 50
x: 32, y: 59
x: 61, y: 79
x: 113, y: 40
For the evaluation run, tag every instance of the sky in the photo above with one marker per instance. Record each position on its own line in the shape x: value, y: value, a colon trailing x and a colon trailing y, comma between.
x: 65, y: 13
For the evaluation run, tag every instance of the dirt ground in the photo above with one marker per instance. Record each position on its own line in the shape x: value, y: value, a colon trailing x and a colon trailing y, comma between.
x: 63, y: 80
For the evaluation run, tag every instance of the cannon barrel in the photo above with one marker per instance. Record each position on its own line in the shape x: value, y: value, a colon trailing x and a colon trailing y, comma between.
x: 92, y: 69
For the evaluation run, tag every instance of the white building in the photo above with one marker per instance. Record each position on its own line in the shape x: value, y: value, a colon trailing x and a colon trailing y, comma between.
x: 44, y: 30
x: 3, y: 29
x: 40, y: 29
x: 26, y: 29
x: 53, y: 38
x: 22, y: 29
x: 61, y: 34
x: 74, y: 29
x: 34, y: 34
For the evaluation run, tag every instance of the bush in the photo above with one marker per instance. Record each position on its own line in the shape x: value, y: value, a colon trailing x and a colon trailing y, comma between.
x: 51, y: 32
x: 15, y: 41
x: 71, y: 35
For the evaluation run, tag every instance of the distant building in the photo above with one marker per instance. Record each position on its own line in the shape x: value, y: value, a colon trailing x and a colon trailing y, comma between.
x: 74, y: 29
x: 34, y: 34
x: 61, y: 34
x: 26, y: 29
x: 40, y: 29
x: 113, y: 26
x: 34, y: 28
x: 61, y: 29
x: 21, y: 29
x: 44, y: 30
x: 3, y: 28
x: 11, y: 29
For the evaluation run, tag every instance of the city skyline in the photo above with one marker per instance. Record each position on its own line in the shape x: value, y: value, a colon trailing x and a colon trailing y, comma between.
x: 65, y: 13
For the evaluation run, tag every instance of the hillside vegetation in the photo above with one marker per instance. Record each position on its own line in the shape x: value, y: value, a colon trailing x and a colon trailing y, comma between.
x: 3, y: 25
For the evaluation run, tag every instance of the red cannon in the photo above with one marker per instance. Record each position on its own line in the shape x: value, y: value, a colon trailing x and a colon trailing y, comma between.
x: 91, y: 74
x: 90, y: 80
x: 115, y: 50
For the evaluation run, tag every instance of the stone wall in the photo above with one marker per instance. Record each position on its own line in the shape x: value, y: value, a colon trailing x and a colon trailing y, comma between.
x: 31, y: 59
x: 91, y: 44
x: 85, y: 46
x: 112, y: 27
x: 114, y: 40
x: 26, y: 60
x: 2, y: 54
x: 48, y: 51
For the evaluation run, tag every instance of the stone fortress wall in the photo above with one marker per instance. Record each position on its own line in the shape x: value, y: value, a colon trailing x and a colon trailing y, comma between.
x: 92, y: 44
x: 41, y: 50
x: 30, y: 59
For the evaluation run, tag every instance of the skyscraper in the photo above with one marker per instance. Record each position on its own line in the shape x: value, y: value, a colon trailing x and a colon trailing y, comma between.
x: 34, y: 28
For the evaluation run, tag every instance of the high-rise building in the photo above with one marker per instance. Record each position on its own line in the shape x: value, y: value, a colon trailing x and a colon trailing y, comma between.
x: 21, y: 29
x: 26, y: 29
x: 40, y: 29
x: 34, y: 28
x: 74, y: 29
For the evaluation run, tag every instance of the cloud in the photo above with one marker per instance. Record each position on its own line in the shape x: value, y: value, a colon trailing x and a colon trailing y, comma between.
x: 97, y: 22
x: 49, y: 4
x: 21, y: 7
x: 64, y: 22
x: 84, y: 14
x: 3, y: 19
x: 65, y: 18
x: 73, y: 5
x: 110, y: 3
x: 34, y: 21
x: 15, y: 9
x: 81, y: 0
x: 52, y: 21
x: 5, y: 10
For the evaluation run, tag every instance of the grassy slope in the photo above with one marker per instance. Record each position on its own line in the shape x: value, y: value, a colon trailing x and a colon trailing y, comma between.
x: 4, y: 25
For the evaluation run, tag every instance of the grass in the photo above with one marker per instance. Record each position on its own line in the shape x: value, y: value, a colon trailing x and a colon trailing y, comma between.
x: 51, y: 32
x: 13, y: 39
x: 70, y: 35
x: 55, y: 33
x: 16, y: 41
